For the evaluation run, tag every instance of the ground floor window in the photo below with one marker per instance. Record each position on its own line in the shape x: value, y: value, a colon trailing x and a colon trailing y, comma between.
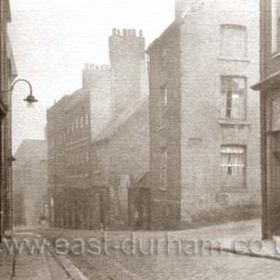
x: 233, y: 167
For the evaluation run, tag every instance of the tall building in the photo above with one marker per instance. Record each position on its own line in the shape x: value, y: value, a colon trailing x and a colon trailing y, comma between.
x: 7, y: 75
x: 82, y: 129
x: 30, y: 182
x: 270, y: 104
x: 204, y: 118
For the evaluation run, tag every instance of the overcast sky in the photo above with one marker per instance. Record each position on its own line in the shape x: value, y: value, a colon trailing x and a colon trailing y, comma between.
x: 52, y: 39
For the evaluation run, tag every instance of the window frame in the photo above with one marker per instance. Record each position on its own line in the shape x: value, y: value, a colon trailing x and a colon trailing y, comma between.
x: 244, y: 171
x: 234, y: 27
x: 275, y: 27
x: 163, y: 166
x: 232, y: 77
x: 163, y: 105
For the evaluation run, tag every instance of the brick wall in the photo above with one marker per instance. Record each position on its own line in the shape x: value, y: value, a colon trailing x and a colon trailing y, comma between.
x: 164, y: 59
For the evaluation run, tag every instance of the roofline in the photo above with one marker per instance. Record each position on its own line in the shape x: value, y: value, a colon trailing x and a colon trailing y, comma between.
x: 267, y: 82
x: 174, y: 24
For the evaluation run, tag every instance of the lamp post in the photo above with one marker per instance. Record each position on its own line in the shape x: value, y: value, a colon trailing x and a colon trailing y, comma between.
x: 30, y: 99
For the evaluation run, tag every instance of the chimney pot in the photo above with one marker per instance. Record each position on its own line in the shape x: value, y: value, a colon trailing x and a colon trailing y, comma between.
x: 125, y: 32
x: 114, y: 31
x: 134, y: 33
x: 92, y: 67
x: 118, y: 32
x: 140, y: 33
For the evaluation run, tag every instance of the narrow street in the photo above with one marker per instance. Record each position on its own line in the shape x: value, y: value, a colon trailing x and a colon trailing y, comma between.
x: 121, y: 262
x: 231, y: 267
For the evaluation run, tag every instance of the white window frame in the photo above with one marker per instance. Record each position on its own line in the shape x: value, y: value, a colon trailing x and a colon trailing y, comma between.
x: 234, y: 168
x: 275, y: 26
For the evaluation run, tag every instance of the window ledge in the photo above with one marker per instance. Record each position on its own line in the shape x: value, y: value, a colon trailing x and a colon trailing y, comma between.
x: 163, y: 189
x: 234, y: 122
x: 234, y: 190
x: 225, y: 58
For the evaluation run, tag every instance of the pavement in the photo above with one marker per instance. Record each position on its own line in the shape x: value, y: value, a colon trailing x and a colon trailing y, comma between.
x: 22, y: 262
x: 232, y: 251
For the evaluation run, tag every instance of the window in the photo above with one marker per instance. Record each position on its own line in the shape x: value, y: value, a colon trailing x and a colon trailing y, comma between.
x: 96, y: 160
x: 81, y: 122
x: 275, y: 25
x: 233, y: 97
x: 163, y: 105
x: 86, y: 121
x: 233, y: 41
x: 233, y: 167
x: 163, y: 169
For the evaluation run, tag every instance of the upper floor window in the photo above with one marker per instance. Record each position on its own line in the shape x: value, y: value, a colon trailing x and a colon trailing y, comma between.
x: 163, y: 105
x: 86, y: 119
x: 163, y: 169
x: 233, y: 95
x: 275, y: 25
x: 96, y: 160
x: 233, y: 41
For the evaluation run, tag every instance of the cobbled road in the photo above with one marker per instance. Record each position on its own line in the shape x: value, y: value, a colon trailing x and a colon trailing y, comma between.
x: 227, y: 266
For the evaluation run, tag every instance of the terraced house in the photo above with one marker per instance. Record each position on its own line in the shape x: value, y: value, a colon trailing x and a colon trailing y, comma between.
x: 98, y: 139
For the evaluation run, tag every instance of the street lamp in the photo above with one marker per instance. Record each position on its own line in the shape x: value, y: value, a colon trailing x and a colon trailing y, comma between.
x: 30, y: 99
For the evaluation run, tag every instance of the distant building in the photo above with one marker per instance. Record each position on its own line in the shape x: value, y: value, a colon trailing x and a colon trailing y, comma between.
x: 7, y: 75
x: 120, y: 157
x: 270, y: 109
x: 30, y: 182
x: 86, y: 159
x: 204, y: 119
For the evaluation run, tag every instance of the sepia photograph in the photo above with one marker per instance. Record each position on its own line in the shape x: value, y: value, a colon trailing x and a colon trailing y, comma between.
x: 139, y: 139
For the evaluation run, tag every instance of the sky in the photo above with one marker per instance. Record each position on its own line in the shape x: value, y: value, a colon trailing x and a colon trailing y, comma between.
x: 53, y: 39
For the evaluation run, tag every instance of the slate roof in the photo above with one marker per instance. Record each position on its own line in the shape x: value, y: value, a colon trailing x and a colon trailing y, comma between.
x: 114, y: 126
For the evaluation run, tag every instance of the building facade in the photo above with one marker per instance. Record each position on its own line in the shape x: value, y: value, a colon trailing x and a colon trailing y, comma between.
x: 68, y: 136
x: 30, y: 182
x: 7, y: 75
x: 269, y: 87
x: 82, y: 131
x: 204, y: 119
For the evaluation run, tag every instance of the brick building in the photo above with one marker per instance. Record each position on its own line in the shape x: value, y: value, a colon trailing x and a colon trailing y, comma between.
x: 68, y: 137
x: 80, y: 194
x: 30, y: 182
x: 269, y: 86
x: 7, y: 75
x: 204, y: 119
